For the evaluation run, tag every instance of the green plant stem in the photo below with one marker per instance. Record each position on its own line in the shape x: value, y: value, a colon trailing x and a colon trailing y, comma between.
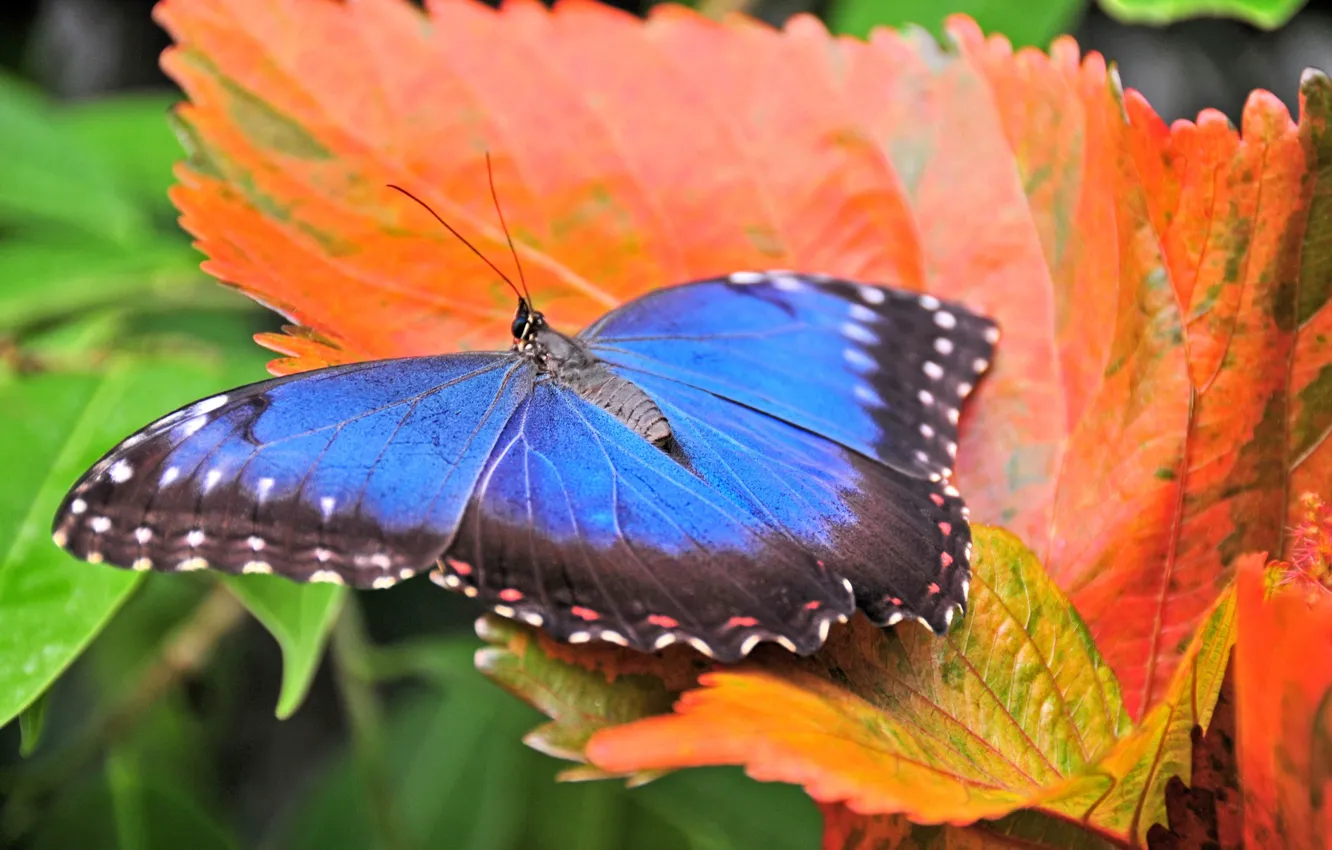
x: 350, y: 652
x: 717, y: 9
x: 185, y: 650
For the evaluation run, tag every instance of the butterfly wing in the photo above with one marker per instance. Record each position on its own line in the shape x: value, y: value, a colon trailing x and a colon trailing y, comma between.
x: 355, y: 474
x: 877, y: 370
x: 829, y: 408
x: 581, y: 526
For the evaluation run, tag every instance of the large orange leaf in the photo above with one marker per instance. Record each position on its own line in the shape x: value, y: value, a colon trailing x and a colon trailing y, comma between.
x: 1283, y: 682
x: 1014, y: 710
x: 631, y: 155
x: 1165, y: 380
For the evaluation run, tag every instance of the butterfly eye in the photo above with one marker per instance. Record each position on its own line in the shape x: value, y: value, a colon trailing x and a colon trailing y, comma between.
x: 520, y: 323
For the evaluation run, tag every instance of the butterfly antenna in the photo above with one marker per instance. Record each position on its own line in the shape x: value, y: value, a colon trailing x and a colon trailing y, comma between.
x: 494, y: 196
x: 463, y: 240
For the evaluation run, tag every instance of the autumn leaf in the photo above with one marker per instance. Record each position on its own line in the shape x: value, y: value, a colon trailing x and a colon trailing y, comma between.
x: 1283, y: 681
x: 1162, y: 392
x: 1015, y: 709
x: 1012, y: 181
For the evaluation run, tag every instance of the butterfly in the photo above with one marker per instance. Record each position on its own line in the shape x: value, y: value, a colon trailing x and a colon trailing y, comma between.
x: 721, y: 463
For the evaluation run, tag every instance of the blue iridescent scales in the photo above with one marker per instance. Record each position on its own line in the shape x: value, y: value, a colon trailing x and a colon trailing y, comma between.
x: 719, y: 463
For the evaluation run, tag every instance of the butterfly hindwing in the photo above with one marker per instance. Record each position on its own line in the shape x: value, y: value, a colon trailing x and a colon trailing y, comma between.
x: 901, y: 540
x: 587, y: 529
x: 354, y: 474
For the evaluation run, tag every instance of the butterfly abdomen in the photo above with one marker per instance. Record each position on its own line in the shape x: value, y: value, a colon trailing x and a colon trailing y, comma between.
x: 573, y: 366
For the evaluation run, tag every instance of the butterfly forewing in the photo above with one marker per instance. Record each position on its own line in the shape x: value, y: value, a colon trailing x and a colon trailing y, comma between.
x: 354, y: 474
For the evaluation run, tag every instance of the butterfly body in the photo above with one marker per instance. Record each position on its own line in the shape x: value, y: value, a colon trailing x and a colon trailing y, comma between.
x: 725, y: 462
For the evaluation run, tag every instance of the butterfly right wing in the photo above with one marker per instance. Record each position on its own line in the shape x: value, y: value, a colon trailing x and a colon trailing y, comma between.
x: 355, y: 474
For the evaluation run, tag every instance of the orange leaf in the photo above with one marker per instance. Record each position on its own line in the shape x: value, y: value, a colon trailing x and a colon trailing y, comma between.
x: 632, y: 155
x: 1015, y: 710
x: 1283, y: 681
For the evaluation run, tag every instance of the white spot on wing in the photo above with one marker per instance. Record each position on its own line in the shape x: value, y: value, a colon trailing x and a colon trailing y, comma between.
x: 859, y: 359
x: 871, y: 294
x: 943, y: 345
x: 612, y: 637
x: 926, y: 430
x: 926, y: 397
x: 532, y: 618
x: 932, y: 370
x: 256, y: 543
x: 325, y: 577
x: 824, y: 625
x: 143, y: 534
x: 141, y: 565
x: 700, y: 646
x: 867, y: 395
x: 786, y: 283
x: 326, y: 504
x: 120, y: 471
x: 100, y: 524
x: 747, y: 646
x: 929, y: 302
x: 195, y: 538
x: 257, y: 568
x: 991, y: 335
x: 265, y: 487
x: 503, y: 611
x: 208, y: 405
x: 211, y: 479
x: 170, y: 475
x: 579, y: 637
x: 190, y: 427
x: 60, y: 538
x: 383, y: 582
x: 785, y: 643
x: 945, y: 320
x: 663, y: 641
x: 861, y: 313
x: 78, y: 506
x: 894, y: 618
x: 851, y: 330
x: 190, y: 565
x: 980, y: 364
x: 964, y: 389
x: 747, y: 277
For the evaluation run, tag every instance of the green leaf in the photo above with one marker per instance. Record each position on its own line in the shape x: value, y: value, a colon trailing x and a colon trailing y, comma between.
x: 299, y: 617
x: 49, y: 174
x: 131, y: 135
x: 461, y: 778
x: 57, y: 425
x: 1161, y: 746
x: 579, y: 701
x: 1268, y: 14
x: 134, y: 803
x: 1030, y: 23
x: 47, y: 279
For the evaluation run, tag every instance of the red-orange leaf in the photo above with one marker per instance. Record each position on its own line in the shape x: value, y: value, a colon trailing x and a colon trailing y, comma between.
x: 630, y: 155
x: 1014, y: 710
x: 1283, y: 681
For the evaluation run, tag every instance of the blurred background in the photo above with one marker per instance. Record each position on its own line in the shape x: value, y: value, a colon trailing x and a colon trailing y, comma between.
x: 163, y: 734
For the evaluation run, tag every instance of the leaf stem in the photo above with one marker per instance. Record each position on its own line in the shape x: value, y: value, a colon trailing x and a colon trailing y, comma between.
x: 351, y: 652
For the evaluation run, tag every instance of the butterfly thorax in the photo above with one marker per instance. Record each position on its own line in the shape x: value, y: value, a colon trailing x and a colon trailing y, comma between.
x: 567, y: 361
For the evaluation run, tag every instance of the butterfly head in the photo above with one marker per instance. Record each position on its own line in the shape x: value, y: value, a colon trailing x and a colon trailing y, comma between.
x: 526, y: 322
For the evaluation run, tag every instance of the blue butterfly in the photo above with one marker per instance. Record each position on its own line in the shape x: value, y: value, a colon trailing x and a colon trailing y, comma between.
x: 723, y: 462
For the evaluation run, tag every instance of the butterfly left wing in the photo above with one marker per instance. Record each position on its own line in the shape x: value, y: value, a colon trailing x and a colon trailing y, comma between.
x: 354, y: 474
x: 583, y: 527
